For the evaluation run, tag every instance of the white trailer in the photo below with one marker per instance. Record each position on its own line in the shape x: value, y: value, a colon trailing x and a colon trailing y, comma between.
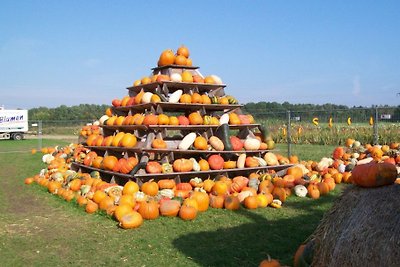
x: 13, y: 123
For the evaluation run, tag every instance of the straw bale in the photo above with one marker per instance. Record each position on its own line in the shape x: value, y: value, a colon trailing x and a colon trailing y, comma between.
x: 361, y: 229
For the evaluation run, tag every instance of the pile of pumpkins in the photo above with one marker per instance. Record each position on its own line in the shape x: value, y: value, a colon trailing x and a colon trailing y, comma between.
x: 177, y: 97
x: 180, y: 58
x: 354, y: 153
x: 194, y: 118
x: 132, y: 203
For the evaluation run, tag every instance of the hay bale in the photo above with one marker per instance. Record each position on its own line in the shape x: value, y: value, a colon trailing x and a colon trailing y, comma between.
x: 361, y: 229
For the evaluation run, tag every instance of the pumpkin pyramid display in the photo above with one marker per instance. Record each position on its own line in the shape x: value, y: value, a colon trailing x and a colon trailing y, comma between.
x: 178, y: 124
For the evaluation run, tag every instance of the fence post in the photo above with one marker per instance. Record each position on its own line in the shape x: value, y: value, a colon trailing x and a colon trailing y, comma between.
x: 39, y: 135
x: 376, y: 126
x: 289, y: 139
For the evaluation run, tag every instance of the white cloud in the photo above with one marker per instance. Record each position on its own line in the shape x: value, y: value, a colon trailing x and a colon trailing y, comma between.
x: 356, y: 86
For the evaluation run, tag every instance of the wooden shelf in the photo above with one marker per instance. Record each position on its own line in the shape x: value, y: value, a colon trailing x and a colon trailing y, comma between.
x: 176, y: 151
x: 174, y: 67
x: 166, y: 106
x: 183, y: 176
x: 176, y: 127
x: 173, y: 86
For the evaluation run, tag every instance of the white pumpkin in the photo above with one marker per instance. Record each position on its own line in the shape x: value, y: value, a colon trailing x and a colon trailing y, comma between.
x: 146, y: 97
x: 261, y: 161
x: 342, y: 168
x: 224, y: 119
x: 103, y: 119
x: 356, y: 144
x: 187, y: 141
x: 176, y: 77
x: 216, y: 79
x: 252, y: 144
x: 168, y: 193
x: 175, y: 96
x: 241, y: 161
x: 300, y: 190
x: 196, y: 165
x: 271, y: 159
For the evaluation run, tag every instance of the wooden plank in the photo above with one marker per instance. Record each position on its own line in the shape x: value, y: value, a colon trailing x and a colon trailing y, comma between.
x: 178, y: 106
x: 173, y: 86
x: 174, y: 67
x: 184, y: 176
x: 176, y: 127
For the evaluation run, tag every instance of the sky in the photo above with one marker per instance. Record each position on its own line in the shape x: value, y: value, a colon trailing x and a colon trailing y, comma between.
x: 56, y: 53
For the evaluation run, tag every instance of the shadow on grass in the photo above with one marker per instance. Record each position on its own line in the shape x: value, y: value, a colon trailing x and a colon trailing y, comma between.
x: 250, y: 243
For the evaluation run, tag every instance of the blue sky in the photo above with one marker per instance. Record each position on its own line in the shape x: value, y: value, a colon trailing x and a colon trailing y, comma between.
x: 73, y: 52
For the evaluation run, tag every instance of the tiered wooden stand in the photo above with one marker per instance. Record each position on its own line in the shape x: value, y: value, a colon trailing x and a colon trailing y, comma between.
x: 173, y: 134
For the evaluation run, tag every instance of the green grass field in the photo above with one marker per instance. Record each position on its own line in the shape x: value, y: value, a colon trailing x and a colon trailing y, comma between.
x: 39, y: 229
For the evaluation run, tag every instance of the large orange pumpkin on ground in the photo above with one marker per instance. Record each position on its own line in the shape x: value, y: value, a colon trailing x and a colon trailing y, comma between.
x: 374, y: 174
x: 202, y: 199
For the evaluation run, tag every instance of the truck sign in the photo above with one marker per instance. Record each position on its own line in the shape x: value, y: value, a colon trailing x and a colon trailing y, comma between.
x: 13, y: 123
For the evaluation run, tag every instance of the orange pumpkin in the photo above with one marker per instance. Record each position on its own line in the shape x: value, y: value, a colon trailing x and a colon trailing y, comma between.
x: 216, y: 202
x: 182, y: 165
x: 131, y: 220
x: 169, y: 207
x: 183, y: 51
x: 323, y: 188
x: 128, y: 165
x: 185, y: 98
x: 106, y: 203
x: 122, y: 210
x: 150, y: 188
x: 265, y: 186
x: 166, y: 184
x: 237, y: 144
x: 216, y: 162
x: 130, y: 188
x: 109, y: 162
x: 153, y: 167
x: 158, y: 144
x: 231, y: 202
x: 251, y: 202
x: 200, y: 143
x: 279, y: 193
x: 374, y: 174
x: 202, y: 199
x: 149, y: 210
x: 312, y: 191
x: 91, y: 207
x: 167, y: 57
x: 204, y: 166
x: 220, y: 188
x: 128, y: 140
x: 195, y: 118
x: 338, y: 153
x: 184, y: 186
x: 163, y: 119
x: 150, y: 119
x: 180, y: 60
x: 187, y: 213
x: 296, y: 171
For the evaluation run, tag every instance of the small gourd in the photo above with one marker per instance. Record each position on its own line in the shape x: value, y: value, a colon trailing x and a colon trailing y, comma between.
x: 300, y: 190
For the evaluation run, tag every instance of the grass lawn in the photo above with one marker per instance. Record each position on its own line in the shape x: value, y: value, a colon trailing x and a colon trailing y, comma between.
x: 39, y: 229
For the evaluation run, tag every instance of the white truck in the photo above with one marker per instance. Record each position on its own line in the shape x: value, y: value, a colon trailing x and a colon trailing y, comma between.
x: 13, y: 123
